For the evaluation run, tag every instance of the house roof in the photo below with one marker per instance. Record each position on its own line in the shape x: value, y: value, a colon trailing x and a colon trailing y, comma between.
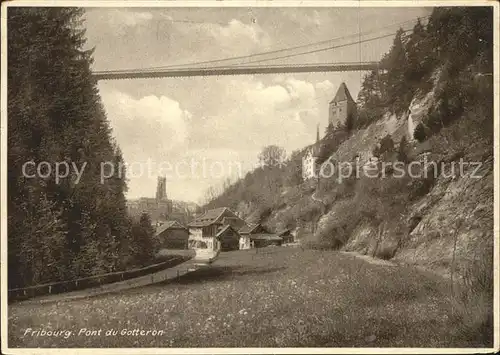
x: 283, y: 232
x: 265, y: 236
x: 224, y: 230
x: 208, y: 218
x: 248, y: 228
x: 236, y: 222
x: 343, y: 94
x: 169, y: 225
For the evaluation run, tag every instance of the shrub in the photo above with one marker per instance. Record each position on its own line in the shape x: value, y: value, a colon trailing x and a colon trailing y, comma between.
x: 472, y: 306
x: 419, y: 134
x: 386, y: 253
x: 386, y: 144
x: 403, y: 150
x: 337, y: 230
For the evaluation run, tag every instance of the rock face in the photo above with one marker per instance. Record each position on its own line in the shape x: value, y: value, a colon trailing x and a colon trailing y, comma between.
x: 449, y: 227
x: 454, y: 218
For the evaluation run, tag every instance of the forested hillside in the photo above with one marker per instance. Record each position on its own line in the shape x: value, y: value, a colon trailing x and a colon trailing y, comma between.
x: 421, y: 62
x: 75, y: 226
x: 439, y: 78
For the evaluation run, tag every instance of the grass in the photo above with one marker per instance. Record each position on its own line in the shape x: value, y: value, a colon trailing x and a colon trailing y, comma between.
x: 278, y: 297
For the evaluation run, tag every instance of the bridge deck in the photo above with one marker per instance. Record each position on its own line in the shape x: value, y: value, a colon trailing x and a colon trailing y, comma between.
x: 234, y: 70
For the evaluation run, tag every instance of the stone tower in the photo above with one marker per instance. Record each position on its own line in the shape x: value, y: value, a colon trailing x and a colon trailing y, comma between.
x: 164, y: 206
x: 341, y: 106
x: 161, y: 189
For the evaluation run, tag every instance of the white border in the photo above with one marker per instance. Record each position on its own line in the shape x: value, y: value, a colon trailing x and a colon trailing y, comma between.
x: 239, y: 3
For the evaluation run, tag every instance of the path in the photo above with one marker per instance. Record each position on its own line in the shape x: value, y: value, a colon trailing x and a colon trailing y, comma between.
x: 160, y: 276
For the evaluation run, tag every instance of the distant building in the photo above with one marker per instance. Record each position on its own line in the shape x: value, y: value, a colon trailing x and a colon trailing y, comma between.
x: 341, y: 107
x: 159, y: 207
x: 164, y: 204
x: 309, y: 161
x: 172, y: 235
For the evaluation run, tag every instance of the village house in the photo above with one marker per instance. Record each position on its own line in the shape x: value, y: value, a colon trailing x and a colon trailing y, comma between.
x: 245, y: 231
x: 245, y: 242
x: 257, y: 236
x: 309, y: 162
x: 212, y: 226
x: 229, y: 238
x: 172, y: 235
x: 287, y: 236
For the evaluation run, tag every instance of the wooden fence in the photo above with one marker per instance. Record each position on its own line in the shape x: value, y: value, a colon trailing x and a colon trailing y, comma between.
x: 17, y: 294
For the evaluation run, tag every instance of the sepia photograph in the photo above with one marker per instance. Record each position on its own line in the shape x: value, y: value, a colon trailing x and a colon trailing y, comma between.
x: 249, y: 177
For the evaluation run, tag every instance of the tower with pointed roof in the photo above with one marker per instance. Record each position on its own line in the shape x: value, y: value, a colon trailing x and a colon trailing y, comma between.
x: 341, y: 107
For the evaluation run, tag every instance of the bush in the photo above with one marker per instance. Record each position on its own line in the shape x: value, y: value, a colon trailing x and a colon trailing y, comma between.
x: 403, y: 150
x: 338, y: 228
x: 386, y: 144
x: 472, y: 306
x: 367, y: 116
x: 419, y: 134
x: 385, y: 253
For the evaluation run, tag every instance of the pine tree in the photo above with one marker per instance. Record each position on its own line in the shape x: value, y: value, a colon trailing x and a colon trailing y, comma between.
x: 402, y: 150
x: 143, y: 234
x: 396, y: 62
x: 416, y: 68
x: 55, y: 115
x: 419, y: 134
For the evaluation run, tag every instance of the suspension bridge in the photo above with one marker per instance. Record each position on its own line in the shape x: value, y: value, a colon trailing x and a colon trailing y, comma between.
x: 246, y: 65
x: 235, y: 70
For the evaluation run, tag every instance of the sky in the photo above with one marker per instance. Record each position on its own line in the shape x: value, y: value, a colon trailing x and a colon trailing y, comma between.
x: 198, y: 131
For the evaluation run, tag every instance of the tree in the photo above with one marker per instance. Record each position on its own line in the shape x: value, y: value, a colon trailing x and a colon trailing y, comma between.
x: 416, y: 67
x: 386, y: 145
x: 419, y: 134
x: 349, y: 122
x: 272, y: 155
x: 402, y: 150
x: 211, y: 193
x: 293, y: 170
x: 143, y: 234
x: 396, y: 62
x: 55, y: 115
x: 370, y: 95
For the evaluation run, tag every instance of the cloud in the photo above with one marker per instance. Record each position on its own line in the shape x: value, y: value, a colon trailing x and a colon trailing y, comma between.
x: 254, y: 115
x: 236, y: 31
x: 246, y: 114
x: 305, y: 17
x: 128, y: 18
x: 325, y: 85
x: 117, y: 20
x: 149, y: 127
x: 234, y: 37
